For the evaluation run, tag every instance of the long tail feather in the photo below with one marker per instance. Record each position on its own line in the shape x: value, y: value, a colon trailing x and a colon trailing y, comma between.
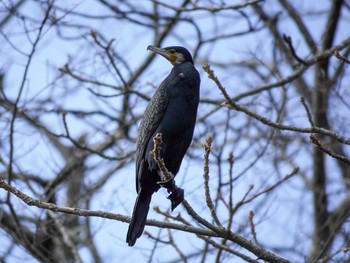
x: 138, y: 219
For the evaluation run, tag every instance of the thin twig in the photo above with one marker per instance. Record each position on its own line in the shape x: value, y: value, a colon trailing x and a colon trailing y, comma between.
x: 297, y: 16
x: 209, y: 8
x: 242, y: 201
x: 229, y: 206
x: 207, y: 148
x: 252, y: 227
x: 328, y: 151
x: 340, y: 57
x: 155, y: 153
x: 21, y: 88
x: 230, y: 201
x: 288, y: 40
x: 270, y: 188
x: 309, y: 116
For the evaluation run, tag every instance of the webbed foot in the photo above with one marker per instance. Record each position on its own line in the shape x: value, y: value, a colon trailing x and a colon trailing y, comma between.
x: 176, y: 197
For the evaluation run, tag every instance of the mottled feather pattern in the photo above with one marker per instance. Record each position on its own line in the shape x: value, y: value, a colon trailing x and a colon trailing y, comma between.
x: 150, y: 121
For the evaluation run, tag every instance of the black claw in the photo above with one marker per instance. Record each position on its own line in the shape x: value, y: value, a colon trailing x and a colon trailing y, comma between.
x: 176, y: 197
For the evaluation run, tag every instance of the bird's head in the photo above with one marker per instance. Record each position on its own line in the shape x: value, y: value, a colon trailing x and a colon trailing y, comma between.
x: 175, y: 54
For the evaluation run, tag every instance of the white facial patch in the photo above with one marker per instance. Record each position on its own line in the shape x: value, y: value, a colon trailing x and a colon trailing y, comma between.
x: 179, y: 58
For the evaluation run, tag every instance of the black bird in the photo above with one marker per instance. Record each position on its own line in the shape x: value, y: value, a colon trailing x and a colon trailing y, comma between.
x: 172, y: 111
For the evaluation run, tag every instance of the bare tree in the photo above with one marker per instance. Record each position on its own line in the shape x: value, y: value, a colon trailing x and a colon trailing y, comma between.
x: 267, y: 177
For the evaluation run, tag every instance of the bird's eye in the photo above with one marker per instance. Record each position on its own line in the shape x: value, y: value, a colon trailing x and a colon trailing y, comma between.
x: 172, y: 51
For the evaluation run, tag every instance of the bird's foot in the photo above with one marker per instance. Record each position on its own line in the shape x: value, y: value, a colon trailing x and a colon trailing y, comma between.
x: 176, y: 197
x: 176, y: 194
x: 168, y: 184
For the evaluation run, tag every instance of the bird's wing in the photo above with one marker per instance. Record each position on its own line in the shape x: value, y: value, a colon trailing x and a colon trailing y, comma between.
x: 151, y: 119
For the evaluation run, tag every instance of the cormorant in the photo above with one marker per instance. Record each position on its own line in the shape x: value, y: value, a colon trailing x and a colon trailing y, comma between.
x: 172, y: 112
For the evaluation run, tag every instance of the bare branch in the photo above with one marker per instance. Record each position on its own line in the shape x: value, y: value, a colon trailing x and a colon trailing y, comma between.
x: 328, y: 151
x: 233, y: 105
x: 301, y: 25
x: 247, y: 244
x: 207, y: 148
x: 340, y: 57
x: 95, y: 213
x: 252, y: 227
x: 288, y: 40
x: 209, y: 8
x: 157, y: 140
x: 21, y: 88
x: 309, y: 116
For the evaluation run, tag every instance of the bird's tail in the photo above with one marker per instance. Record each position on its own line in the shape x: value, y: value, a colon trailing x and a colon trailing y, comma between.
x: 139, y: 216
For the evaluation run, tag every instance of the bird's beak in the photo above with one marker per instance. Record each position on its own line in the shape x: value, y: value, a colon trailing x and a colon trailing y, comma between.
x: 163, y: 52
